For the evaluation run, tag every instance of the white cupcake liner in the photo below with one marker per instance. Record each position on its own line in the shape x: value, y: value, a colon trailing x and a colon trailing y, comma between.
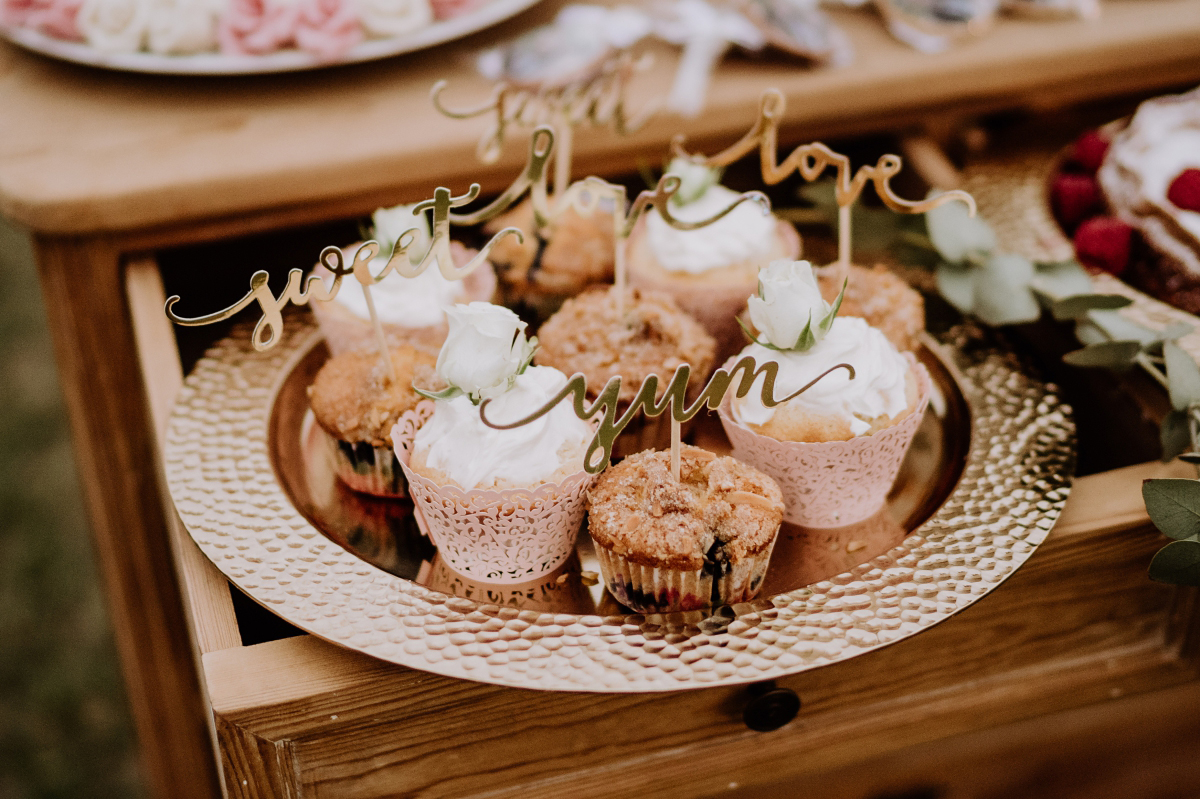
x: 510, y: 535
x: 379, y: 476
x: 346, y: 332
x: 651, y: 589
x: 831, y: 483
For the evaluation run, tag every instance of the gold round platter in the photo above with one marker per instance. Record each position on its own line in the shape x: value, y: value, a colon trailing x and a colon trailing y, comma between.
x: 981, y: 487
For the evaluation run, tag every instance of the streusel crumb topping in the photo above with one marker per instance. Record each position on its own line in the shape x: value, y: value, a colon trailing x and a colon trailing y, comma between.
x: 638, y: 510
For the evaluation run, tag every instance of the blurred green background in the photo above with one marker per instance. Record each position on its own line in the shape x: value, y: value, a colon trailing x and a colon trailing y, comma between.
x: 65, y: 729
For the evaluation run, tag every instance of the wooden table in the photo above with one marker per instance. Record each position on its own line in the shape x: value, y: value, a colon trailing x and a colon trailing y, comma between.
x: 107, y: 169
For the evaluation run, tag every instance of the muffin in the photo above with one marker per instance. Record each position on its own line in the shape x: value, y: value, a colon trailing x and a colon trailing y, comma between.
x: 883, y: 299
x: 356, y: 404
x: 835, y: 449
x: 711, y: 270
x: 411, y: 310
x: 654, y: 337
x: 539, y: 273
x: 502, y: 506
x: 667, y: 545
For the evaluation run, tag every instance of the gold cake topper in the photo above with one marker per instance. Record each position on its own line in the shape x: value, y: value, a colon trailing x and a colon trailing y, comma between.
x: 811, y: 161
x: 674, y: 400
x: 596, y: 98
x: 301, y: 291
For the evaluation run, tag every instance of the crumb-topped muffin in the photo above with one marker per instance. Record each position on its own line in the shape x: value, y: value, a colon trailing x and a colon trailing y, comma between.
x: 881, y: 297
x: 652, y: 337
x: 357, y: 403
x: 578, y: 252
x: 669, y: 545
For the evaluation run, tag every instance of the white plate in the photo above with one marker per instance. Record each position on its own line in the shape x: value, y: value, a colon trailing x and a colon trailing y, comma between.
x: 290, y: 60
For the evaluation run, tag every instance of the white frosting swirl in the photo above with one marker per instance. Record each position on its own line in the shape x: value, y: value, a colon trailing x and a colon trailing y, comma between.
x: 878, y: 388
x: 456, y: 442
x: 744, y: 234
x: 411, y: 302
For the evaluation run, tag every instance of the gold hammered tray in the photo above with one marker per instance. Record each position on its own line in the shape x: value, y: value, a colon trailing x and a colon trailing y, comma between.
x: 981, y: 487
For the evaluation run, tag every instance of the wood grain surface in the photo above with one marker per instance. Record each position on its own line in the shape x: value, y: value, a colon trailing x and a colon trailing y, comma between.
x: 85, y: 150
x: 1077, y: 625
x: 118, y: 466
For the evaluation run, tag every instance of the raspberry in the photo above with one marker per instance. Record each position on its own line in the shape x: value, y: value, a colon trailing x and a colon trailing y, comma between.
x: 1089, y: 150
x: 1184, y: 191
x: 1074, y: 198
x: 1104, y: 242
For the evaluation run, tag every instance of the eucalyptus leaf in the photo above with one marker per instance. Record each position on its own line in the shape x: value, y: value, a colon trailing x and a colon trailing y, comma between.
x: 1089, y: 333
x: 1002, y: 293
x: 1174, y: 435
x: 1117, y: 355
x: 1174, y: 505
x: 956, y: 234
x: 1118, y: 328
x: 1178, y: 563
x: 1183, y: 376
x: 1062, y: 279
x: 1174, y: 331
x: 957, y: 285
x: 1078, y: 305
x: 821, y: 193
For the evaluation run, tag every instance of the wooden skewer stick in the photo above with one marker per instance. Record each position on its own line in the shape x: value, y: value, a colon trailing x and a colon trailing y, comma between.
x: 675, y: 445
x: 384, y: 355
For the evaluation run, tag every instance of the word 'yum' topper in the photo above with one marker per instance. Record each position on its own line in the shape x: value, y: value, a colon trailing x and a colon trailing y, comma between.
x: 673, y: 401
x: 596, y: 98
x: 811, y: 160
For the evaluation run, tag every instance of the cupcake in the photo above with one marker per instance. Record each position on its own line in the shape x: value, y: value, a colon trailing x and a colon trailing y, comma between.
x: 411, y: 310
x: 540, y: 271
x: 356, y: 403
x: 836, y: 448
x: 667, y: 545
x: 653, y: 337
x: 709, y: 271
x: 882, y: 298
x: 501, y: 505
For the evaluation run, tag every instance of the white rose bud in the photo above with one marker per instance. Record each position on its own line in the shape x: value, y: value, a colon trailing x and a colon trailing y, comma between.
x: 114, y: 26
x: 788, y: 304
x: 694, y: 179
x: 180, y: 27
x: 485, y: 350
x: 391, y: 223
x: 394, y: 17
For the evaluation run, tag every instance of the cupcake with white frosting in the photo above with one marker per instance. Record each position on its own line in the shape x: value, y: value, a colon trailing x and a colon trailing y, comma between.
x: 501, y: 505
x: 412, y: 310
x: 709, y: 271
x: 836, y: 448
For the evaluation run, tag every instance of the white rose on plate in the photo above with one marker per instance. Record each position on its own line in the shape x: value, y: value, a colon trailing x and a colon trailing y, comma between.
x: 485, y: 350
x: 383, y: 18
x: 389, y: 224
x: 789, y: 310
x: 182, y: 27
x: 115, y: 26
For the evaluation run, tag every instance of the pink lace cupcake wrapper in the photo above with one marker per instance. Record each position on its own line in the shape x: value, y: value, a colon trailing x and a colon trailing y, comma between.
x: 649, y: 589
x: 831, y: 483
x: 503, y: 536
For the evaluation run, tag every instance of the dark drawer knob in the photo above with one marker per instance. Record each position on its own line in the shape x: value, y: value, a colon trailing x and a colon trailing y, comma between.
x: 770, y: 708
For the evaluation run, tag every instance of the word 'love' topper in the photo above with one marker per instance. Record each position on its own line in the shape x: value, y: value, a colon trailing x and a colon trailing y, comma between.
x: 811, y: 161
x: 674, y: 399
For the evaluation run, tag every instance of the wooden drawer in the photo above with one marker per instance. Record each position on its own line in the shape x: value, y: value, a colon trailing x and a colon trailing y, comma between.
x: 1078, y: 626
